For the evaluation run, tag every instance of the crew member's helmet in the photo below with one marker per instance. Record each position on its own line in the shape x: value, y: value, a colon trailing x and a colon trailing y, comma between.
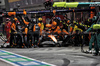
x: 48, y: 25
x: 59, y: 18
x: 94, y: 18
x: 39, y: 24
x: 89, y: 19
x: 15, y: 19
x: 40, y: 19
x: 54, y: 23
x: 33, y: 20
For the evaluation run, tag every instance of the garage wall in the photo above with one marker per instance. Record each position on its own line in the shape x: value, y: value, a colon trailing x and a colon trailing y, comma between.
x: 35, y: 4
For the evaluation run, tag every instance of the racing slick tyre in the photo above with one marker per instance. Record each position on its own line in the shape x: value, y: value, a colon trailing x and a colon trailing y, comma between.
x: 2, y: 46
x: 8, y: 46
x: 58, y: 45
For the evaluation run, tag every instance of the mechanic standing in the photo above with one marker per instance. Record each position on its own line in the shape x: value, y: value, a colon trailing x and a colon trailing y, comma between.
x: 8, y: 29
x: 36, y: 30
x: 40, y: 21
x: 3, y: 26
x: 96, y: 36
x: 13, y: 29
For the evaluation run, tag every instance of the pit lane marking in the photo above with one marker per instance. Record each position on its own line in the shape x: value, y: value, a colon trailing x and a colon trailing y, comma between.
x: 19, y: 60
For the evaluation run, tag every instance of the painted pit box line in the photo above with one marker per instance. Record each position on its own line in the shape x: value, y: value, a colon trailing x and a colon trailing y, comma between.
x: 19, y: 60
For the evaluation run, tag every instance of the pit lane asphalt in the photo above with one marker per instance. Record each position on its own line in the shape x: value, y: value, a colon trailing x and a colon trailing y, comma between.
x: 59, y: 56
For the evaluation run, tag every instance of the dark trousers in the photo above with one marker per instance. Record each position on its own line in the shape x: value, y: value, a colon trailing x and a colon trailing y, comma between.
x: 36, y: 38
x: 11, y: 39
x: 77, y: 39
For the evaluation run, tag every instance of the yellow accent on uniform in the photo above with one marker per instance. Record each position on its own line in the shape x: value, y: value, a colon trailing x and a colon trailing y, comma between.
x: 40, y: 19
x: 42, y: 26
x: 10, y: 31
x: 80, y: 24
x: 88, y: 26
x: 76, y: 28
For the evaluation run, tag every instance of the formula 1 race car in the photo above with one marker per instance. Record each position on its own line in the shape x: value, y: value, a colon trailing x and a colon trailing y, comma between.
x: 49, y: 38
